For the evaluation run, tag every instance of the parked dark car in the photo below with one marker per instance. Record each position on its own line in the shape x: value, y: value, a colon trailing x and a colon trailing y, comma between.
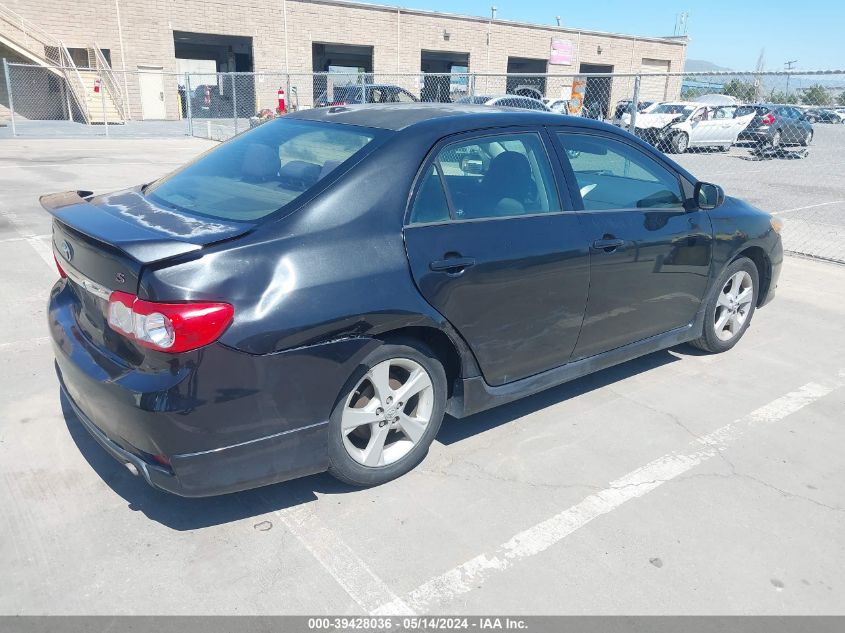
x: 373, y: 93
x: 626, y: 106
x: 775, y: 125
x: 506, y: 101
x: 823, y: 115
x: 279, y: 307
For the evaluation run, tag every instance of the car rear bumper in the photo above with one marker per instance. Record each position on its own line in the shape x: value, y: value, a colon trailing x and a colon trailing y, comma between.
x: 217, y: 420
x: 758, y: 136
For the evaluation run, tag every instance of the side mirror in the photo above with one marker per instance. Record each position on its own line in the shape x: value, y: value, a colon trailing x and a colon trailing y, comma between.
x: 708, y: 196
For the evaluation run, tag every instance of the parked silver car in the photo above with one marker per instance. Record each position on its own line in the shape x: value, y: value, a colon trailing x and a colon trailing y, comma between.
x: 509, y: 101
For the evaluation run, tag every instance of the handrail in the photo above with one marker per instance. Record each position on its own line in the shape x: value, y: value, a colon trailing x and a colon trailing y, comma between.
x: 110, y: 81
x: 29, y: 30
x: 51, y: 50
x: 77, y: 90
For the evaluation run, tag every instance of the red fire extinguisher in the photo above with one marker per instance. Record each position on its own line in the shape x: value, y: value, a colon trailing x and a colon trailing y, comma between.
x: 97, y: 85
x: 282, y: 109
x: 208, y: 96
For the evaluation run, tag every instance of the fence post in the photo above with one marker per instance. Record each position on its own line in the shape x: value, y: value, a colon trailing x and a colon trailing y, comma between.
x: 9, y: 92
x: 635, y: 105
x: 103, y: 103
x: 235, y: 103
x: 188, y: 103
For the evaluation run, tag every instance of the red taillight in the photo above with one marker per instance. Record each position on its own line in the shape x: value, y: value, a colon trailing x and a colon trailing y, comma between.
x: 62, y: 272
x: 768, y: 119
x: 168, y: 327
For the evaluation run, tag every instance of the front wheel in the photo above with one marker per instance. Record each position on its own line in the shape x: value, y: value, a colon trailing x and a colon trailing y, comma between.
x: 679, y: 143
x: 730, y: 307
x: 387, y: 415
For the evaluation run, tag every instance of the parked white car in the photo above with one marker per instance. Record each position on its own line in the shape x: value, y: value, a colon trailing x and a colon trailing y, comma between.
x: 561, y: 106
x: 679, y: 126
x: 625, y: 119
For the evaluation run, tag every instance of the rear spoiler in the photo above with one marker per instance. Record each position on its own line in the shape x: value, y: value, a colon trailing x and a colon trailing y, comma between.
x: 129, y: 221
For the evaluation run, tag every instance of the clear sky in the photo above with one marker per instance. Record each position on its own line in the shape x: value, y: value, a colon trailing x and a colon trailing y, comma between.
x: 728, y: 33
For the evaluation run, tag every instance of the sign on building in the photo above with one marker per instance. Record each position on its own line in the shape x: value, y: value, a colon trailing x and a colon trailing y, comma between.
x: 561, y: 52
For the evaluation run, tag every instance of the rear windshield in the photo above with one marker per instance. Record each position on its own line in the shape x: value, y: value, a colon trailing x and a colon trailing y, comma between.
x: 262, y: 170
x: 749, y: 109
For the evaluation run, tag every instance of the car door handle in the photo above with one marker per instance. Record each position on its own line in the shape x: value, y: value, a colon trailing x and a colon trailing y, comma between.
x: 607, y: 245
x: 452, y: 265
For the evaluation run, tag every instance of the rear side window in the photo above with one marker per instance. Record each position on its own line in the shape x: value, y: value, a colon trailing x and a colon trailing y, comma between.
x: 430, y: 204
x: 613, y: 175
x: 498, y: 176
x: 261, y: 171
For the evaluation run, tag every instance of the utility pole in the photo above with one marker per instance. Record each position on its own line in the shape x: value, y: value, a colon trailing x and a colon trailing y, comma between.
x: 789, y: 66
x: 489, y: 25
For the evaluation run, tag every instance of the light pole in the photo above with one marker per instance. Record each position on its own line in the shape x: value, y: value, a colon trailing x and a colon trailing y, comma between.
x: 789, y: 66
x: 489, y: 25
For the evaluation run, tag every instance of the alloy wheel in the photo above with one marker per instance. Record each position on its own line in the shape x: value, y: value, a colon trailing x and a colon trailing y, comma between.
x: 733, y: 305
x: 388, y: 412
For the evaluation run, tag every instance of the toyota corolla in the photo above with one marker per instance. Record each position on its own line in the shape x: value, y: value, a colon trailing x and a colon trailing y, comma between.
x: 317, y: 293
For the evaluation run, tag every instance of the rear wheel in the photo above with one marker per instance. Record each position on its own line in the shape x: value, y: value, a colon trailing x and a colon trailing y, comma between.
x: 808, y: 138
x: 730, y: 307
x: 387, y: 416
x: 679, y: 143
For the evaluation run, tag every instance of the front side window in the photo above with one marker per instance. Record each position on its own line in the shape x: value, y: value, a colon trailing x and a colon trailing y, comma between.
x: 261, y: 171
x: 614, y: 175
x: 498, y: 176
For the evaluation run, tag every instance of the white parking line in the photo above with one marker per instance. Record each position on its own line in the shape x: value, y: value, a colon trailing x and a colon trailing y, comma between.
x: 44, y: 251
x: 809, y: 206
x: 537, y: 539
x: 345, y: 566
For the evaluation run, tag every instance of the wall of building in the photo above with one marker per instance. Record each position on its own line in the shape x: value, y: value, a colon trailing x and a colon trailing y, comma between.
x: 397, y: 38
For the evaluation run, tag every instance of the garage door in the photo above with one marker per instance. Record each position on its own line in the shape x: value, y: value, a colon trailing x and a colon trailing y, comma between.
x: 654, y: 88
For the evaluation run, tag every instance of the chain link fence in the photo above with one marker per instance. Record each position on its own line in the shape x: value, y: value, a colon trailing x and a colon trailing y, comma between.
x: 776, y: 139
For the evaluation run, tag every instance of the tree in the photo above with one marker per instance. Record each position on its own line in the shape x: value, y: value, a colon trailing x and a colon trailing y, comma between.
x: 778, y: 96
x: 742, y: 90
x: 816, y: 95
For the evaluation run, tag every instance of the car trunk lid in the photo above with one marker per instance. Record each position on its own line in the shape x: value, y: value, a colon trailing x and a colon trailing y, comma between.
x: 104, y: 242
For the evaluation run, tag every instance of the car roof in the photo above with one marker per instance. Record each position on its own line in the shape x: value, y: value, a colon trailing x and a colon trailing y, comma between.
x: 452, y: 116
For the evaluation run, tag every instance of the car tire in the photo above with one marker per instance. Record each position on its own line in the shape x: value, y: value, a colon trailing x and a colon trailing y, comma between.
x: 730, y: 307
x: 679, y: 143
x: 808, y: 138
x: 401, y: 432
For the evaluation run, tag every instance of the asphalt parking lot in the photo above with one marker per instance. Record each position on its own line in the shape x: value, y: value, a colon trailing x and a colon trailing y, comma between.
x: 678, y: 483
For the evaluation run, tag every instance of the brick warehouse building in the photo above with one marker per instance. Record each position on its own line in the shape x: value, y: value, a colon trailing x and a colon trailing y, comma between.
x: 165, y: 39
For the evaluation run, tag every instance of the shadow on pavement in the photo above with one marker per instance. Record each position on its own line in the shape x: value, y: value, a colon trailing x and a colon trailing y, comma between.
x: 181, y: 514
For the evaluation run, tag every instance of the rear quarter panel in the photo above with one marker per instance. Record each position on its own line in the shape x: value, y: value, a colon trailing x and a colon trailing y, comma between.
x: 335, y: 268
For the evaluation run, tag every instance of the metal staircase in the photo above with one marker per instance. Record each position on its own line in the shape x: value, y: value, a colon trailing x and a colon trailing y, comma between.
x: 39, y: 47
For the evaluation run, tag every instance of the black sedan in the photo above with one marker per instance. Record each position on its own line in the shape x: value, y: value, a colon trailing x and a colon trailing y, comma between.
x: 316, y: 293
